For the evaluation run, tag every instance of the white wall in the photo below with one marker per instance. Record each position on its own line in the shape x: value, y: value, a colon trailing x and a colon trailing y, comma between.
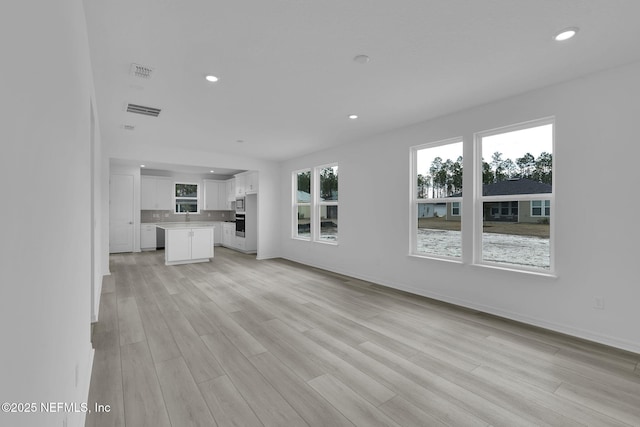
x: 596, y: 249
x: 45, y: 167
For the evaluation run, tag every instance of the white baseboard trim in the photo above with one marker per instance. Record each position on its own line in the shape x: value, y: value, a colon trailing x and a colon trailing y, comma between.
x: 86, y: 384
x: 616, y: 342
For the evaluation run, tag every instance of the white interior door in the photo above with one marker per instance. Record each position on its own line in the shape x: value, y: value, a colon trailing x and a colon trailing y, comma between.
x: 121, y: 213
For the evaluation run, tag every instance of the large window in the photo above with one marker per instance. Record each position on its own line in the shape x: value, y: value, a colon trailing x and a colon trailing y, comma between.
x: 513, y: 226
x: 302, y: 204
x: 327, y: 203
x: 315, y: 204
x: 186, y: 196
x: 511, y: 196
x: 437, y: 199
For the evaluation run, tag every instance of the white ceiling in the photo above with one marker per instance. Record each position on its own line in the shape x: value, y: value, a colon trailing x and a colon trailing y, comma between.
x: 287, y: 76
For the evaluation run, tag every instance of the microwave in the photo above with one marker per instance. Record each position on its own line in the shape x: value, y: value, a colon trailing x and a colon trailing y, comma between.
x: 239, y: 204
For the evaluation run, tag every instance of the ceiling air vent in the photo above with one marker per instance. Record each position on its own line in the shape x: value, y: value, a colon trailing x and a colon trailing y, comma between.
x: 139, y: 109
x: 128, y: 127
x: 141, y: 71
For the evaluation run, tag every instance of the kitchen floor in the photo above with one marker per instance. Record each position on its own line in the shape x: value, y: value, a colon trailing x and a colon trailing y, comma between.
x: 241, y: 342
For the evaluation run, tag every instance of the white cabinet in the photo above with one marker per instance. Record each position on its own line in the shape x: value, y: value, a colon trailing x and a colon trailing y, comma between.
x: 155, y: 193
x: 251, y: 182
x: 213, y: 200
x: 148, y: 237
x: 231, y: 189
x: 228, y: 234
x: 240, y: 181
x: 186, y: 245
x: 217, y: 234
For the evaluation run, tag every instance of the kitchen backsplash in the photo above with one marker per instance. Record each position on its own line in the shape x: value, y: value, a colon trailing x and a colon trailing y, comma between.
x: 169, y: 216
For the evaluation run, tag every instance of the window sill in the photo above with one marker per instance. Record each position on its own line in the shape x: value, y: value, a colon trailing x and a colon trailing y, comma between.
x: 549, y: 274
x: 436, y: 258
x: 327, y: 242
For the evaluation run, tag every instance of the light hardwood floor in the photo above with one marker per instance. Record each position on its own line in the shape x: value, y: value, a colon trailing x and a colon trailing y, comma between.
x: 240, y: 342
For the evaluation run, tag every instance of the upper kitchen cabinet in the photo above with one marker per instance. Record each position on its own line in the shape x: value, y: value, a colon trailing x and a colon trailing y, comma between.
x: 251, y: 182
x: 231, y: 190
x: 246, y: 183
x: 240, y: 181
x: 155, y: 193
x: 215, y: 195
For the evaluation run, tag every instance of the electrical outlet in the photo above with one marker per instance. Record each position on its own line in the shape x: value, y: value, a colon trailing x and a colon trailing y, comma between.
x: 209, y: 214
x: 598, y: 303
x: 222, y: 214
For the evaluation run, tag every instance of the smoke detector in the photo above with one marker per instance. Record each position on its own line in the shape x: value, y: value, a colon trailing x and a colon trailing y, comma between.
x: 141, y: 71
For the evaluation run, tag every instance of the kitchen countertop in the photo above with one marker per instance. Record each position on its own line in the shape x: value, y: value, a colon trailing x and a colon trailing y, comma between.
x: 178, y: 225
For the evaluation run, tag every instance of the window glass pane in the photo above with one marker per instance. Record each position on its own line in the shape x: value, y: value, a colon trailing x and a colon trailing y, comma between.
x: 438, y: 230
x: 329, y: 222
x: 329, y: 183
x: 540, y: 206
x: 518, y: 241
x: 524, y: 155
x: 303, y: 186
x: 186, y: 205
x: 186, y: 190
x: 304, y: 221
x: 439, y: 171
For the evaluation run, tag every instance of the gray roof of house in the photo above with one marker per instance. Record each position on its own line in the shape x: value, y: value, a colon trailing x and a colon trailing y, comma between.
x: 513, y: 186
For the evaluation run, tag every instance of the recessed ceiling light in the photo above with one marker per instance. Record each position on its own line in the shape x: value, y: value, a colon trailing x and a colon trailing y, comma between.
x: 211, y: 78
x: 566, y: 34
x: 212, y: 171
x: 143, y: 166
x: 353, y: 116
x: 361, y: 59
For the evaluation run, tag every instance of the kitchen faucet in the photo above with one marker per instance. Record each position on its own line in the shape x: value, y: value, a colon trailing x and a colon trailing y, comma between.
x: 187, y: 217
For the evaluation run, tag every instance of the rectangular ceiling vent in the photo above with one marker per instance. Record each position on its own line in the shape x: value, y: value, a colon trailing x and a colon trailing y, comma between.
x: 141, y: 71
x: 128, y: 127
x: 139, y: 109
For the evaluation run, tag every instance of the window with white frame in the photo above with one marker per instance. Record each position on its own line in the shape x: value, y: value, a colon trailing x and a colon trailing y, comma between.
x: 436, y: 212
x: 512, y: 223
x: 186, y: 197
x: 541, y: 208
x: 302, y: 204
x: 455, y: 208
x: 327, y: 203
x: 315, y: 204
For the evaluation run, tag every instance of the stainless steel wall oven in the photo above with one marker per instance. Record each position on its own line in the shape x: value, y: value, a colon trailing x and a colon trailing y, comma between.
x: 240, y: 223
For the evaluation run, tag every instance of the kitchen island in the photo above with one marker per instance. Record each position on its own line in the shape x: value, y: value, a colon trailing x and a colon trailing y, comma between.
x: 187, y: 243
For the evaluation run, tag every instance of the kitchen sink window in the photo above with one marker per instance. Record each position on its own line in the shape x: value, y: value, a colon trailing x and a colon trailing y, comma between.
x: 186, y: 198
